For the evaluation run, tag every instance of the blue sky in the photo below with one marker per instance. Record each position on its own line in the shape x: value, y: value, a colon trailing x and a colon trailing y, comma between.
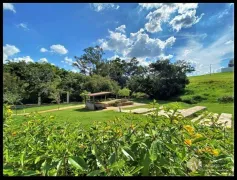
x: 201, y: 33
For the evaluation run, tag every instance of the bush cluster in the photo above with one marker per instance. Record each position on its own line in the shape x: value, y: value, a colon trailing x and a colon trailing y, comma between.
x: 131, y: 146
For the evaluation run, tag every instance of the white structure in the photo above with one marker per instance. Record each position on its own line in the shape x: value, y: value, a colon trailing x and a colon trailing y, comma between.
x: 230, y: 67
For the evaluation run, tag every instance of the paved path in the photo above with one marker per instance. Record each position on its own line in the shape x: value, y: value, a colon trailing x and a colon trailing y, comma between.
x: 51, y: 110
x: 224, y: 119
x: 117, y: 108
x: 191, y: 111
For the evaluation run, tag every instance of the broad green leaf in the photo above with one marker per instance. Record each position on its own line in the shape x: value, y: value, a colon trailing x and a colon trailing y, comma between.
x: 94, y: 173
x: 112, y: 158
x: 29, y: 173
x: 37, y: 159
x: 170, y: 146
x: 136, y: 170
x: 153, y: 151
x: 58, y: 167
x: 118, y: 165
x: 22, y: 159
x: 199, y: 139
x: 128, y: 154
x: 78, y: 162
x: 146, y: 163
x: 6, y: 155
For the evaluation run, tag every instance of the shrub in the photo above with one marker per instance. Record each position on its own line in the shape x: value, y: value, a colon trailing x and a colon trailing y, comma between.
x: 198, y: 98
x: 139, y: 95
x: 130, y: 146
x: 188, y: 99
x: 226, y: 99
x: 192, y: 99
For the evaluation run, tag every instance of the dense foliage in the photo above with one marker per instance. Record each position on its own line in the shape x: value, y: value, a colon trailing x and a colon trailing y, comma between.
x: 132, y: 145
x: 163, y: 80
x: 43, y: 82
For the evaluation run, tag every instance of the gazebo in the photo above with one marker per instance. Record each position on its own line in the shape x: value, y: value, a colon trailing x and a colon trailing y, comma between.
x: 92, y: 105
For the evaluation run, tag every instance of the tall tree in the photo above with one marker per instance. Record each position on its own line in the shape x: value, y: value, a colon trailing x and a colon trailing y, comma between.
x: 90, y: 62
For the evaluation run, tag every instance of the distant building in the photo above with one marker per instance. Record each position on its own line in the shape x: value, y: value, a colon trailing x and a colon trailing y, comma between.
x: 230, y: 67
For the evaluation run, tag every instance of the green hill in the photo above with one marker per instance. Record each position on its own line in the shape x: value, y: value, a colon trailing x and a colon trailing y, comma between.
x: 205, y: 90
x: 208, y: 88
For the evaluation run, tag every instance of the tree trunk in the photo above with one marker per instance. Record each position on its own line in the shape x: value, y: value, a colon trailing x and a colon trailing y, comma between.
x: 39, y: 99
x: 15, y: 109
x: 67, y: 97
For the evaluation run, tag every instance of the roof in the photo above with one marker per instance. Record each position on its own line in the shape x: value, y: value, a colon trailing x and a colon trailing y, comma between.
x: 99, y: 94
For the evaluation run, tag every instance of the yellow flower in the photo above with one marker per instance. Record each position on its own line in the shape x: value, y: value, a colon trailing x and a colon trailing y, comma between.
x: 199, y: 151
x: 176, y: 122
x: 188, y: 142
x: 198, y: 135
x: 82, y: 146
x: 14, y: 134
x: 215, y: 152
x: 189, y: 128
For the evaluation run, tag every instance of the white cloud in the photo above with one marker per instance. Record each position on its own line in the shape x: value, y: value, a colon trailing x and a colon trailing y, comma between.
x: 185, y: 20
x: 60, y: 49
x: 103, y: 6
x: 229, y: 42
x: 138, y: 45
x: 214, y: 53
x: 156, y: 18
x: 52, y: 64
x: 159, y: 16
x: 184, y: 7
x: 117, y: 56
x: 164, y: 57
x: 150, y: 5
x: 43, y: 50
x: 9, y: 6
x: 9, y: 50
x: 121, y: 29
x: 68, y: 60
x: 25, y: 58
x: 23, y: 25
x: 116, y: 41
x: 43, y: 60
x: 74, y: 70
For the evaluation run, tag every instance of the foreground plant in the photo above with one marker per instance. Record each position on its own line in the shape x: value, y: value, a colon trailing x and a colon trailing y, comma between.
x: 133, y: 145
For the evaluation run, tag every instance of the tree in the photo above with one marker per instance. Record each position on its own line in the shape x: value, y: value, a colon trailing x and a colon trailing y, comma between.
x: 166, y: 79
x: 124, y: 92
x: 40, y: 77
x: 91, y: 61
x: 84, y: 95
x: 98, y: 83
x: 13, y: 89
x: 55, y: 91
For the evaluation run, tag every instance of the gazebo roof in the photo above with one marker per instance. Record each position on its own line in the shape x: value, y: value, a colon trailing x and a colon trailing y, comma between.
x: 99, y: 94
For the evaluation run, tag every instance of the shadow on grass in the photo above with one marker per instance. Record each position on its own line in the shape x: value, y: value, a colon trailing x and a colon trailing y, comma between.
x: 84, y: 110
x: 19, y: 107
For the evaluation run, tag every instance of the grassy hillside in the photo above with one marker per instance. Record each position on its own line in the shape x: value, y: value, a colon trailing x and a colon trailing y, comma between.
x: 208, y: 88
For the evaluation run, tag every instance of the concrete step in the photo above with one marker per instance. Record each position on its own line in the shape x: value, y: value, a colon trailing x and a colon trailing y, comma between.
x: 192, y: 110
x: 225, y: 119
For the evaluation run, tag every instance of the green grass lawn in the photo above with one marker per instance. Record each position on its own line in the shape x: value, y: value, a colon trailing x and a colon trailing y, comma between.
x: 210, y: 87
x: 86, y: 117
x: 35, y: 108
x: 162, y: 103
